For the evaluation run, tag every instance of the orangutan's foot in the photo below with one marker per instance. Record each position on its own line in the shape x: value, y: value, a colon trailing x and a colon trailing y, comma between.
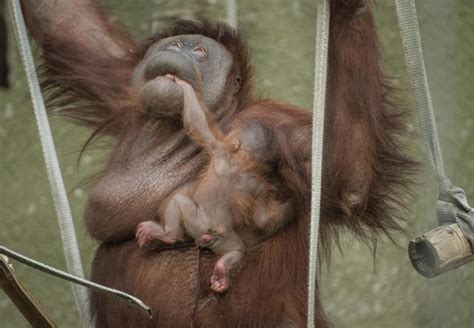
x: 150, y: 233
x: 219, y: 279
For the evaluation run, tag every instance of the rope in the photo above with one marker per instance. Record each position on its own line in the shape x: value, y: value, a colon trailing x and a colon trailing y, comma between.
x: 231, y: 9
x: 410, y: 34
x: 319, y: 102
x: 452, y: 204
x: 58, y: 192
x: 77, y: 280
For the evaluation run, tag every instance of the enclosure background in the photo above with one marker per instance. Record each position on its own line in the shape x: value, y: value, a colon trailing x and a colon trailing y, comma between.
x: 281, y: 34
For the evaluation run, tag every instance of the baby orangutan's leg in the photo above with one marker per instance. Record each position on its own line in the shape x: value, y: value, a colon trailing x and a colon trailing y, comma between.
x: 232, y: 248
x: 179, y: 208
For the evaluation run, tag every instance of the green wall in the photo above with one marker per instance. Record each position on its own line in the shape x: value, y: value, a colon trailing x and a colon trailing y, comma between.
x: 356, y: 292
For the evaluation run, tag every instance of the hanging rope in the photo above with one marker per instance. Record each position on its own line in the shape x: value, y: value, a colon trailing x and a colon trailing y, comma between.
x: 58, y: 192
x: 452, y: 203
x: 319, y: 104
x: 231, y: 10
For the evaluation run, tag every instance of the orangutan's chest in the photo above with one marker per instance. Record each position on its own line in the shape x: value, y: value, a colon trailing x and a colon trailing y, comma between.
x: 139, y: 177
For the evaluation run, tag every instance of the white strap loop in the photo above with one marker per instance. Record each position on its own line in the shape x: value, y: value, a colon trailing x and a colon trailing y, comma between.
x: 319, y: 104
x: 58, y: 192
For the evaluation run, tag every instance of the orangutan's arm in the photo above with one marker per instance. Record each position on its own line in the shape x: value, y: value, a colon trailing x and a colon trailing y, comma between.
x: 78, y: 22
x: 87, y: 61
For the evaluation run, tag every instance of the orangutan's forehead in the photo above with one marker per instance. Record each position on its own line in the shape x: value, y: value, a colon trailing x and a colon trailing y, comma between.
x: 191, y: 40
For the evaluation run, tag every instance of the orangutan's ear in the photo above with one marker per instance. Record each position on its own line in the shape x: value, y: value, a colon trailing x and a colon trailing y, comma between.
x: 237, y: 83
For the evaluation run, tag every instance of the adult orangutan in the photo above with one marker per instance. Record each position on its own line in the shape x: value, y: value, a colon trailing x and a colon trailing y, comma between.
x: 106, y: 81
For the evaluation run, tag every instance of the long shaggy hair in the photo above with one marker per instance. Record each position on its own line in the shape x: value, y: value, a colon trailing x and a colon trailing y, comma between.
x: 365, y: 170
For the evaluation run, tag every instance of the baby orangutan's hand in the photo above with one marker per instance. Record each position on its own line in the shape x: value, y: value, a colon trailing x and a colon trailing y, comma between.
x: 185, y: 85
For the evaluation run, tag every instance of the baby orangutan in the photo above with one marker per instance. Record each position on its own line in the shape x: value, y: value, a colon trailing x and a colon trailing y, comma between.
x: 232, y: 189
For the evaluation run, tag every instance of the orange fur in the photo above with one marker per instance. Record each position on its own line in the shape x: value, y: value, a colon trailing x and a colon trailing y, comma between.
x: 365, y: 171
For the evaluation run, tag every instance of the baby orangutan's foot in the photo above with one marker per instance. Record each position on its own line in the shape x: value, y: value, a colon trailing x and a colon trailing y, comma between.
x: 149, y: 232
x: 219, y: 279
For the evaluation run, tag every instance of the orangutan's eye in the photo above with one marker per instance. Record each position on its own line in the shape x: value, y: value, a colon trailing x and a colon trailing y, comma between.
x: 174, y: 45
x: 200, y: 50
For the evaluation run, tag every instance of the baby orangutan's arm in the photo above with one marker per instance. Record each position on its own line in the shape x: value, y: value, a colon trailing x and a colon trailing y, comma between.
x: 198, y: 122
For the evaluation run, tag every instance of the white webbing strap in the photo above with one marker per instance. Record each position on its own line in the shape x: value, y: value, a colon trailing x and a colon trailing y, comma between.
x: 231, y: 11
x: 452, y: 202
x: 410, y: 34
x: 319, y: 104
x: 58, y: 192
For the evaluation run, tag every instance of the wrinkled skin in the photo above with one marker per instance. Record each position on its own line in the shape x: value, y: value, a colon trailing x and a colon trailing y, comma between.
x: 200, y: 61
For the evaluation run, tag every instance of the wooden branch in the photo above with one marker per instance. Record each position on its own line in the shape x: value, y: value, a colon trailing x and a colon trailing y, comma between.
x: 22, y: 297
